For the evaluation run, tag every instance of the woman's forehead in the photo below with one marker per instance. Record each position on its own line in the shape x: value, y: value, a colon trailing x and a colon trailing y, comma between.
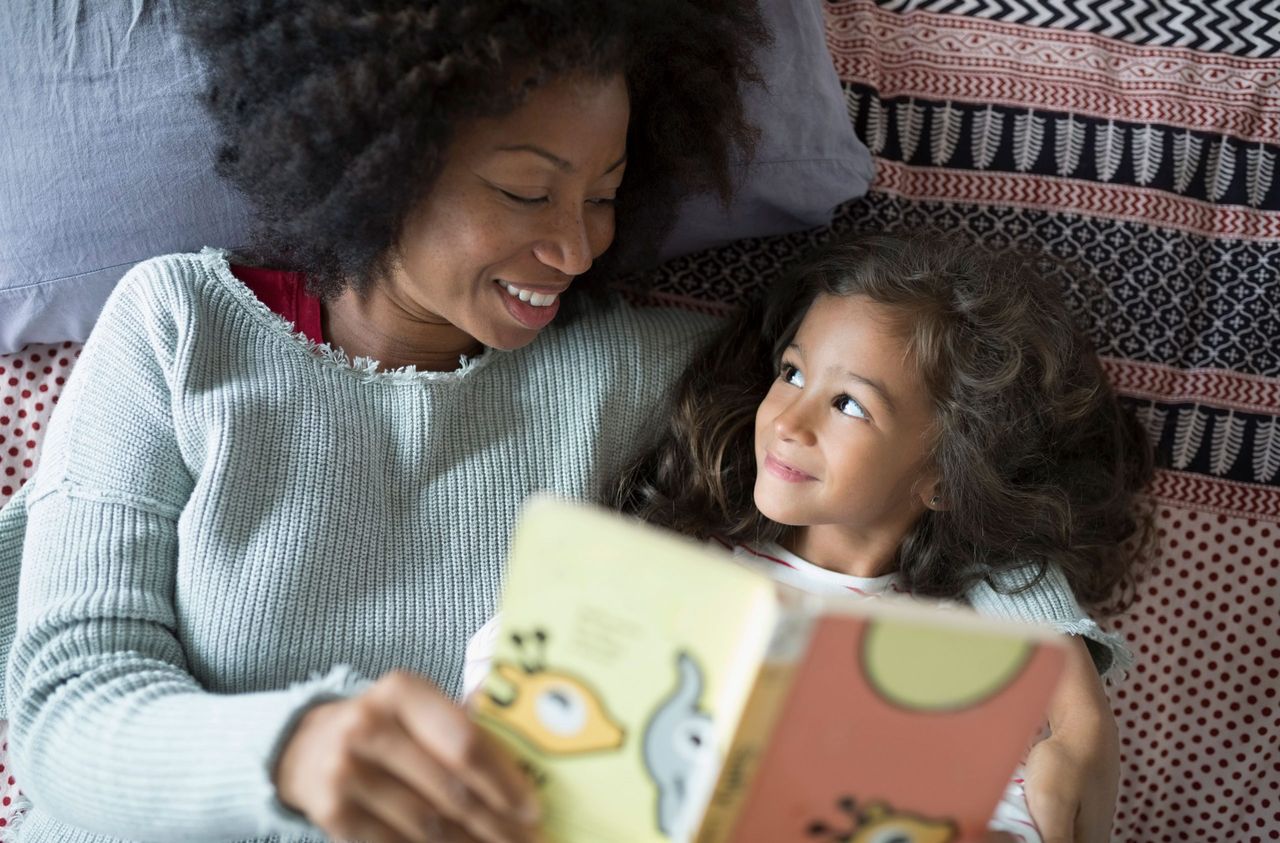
x: 568, y: 124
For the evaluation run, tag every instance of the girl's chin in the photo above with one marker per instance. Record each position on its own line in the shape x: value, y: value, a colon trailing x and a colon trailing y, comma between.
x: 779, y: 514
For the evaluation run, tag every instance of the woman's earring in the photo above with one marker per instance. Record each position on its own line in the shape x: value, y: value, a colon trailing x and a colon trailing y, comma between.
x: 934, y: 501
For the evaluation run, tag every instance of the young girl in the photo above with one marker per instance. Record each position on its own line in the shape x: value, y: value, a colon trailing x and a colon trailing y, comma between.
x: 910, y: 414
x: 907, y: 414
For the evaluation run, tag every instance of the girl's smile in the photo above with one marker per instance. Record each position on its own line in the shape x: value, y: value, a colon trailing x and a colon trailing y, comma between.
x: 786, y: 472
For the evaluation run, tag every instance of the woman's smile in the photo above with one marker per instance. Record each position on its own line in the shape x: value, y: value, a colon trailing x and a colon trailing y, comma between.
x: 533, y: 310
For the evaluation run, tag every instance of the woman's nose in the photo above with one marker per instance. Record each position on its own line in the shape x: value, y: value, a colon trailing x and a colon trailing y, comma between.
x: 566, y: 246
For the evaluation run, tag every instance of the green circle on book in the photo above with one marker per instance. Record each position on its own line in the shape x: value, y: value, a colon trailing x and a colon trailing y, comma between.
x: 926, y: 668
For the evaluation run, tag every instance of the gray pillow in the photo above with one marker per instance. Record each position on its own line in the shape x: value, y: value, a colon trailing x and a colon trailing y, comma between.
x: 105, y: 155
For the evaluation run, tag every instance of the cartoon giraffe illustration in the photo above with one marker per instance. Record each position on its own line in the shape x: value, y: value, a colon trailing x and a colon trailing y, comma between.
x: 676, y: 741
x: 552, y: 711
x: 879, y: 823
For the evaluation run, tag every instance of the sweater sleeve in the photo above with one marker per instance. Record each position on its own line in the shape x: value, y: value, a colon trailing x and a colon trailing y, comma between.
x: 111, y: 731
x: 1012, y: 596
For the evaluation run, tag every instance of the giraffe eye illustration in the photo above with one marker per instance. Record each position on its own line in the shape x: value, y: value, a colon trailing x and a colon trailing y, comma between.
x: 562, y: 710
x: 552, y: 711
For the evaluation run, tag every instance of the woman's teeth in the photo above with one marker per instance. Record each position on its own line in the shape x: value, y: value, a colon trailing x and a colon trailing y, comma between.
x: 535, y: 299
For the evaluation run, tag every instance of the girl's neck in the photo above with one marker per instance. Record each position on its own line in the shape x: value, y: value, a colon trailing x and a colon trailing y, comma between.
x: 373, y: 326
x: 839, y: 549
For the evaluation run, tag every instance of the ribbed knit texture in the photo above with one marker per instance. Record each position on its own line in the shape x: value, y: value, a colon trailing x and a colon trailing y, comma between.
x: 222, y: 512
x: 228, y: 525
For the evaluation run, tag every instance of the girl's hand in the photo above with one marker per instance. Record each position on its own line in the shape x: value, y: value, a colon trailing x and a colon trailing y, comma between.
x: 402, y: 763
x: 1071, y: 786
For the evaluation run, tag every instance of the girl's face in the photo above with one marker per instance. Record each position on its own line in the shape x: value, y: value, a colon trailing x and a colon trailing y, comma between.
x: 522, y: 205
x: 843, y: 434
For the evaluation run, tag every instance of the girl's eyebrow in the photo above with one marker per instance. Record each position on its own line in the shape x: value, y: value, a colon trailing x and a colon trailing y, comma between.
x: 879, y: 388
x: 873, y: 384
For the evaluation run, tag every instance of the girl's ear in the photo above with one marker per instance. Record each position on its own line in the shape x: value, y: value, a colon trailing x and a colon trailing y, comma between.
x: 930, y: 492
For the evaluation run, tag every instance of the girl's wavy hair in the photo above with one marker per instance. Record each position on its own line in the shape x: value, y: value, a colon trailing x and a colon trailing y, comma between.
x: 334, y: 116
x: 1039, y: 462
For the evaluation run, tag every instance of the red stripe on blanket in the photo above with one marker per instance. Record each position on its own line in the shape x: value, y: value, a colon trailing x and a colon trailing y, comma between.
x: 1208, y: 494
x: 1093, y: 199
x: 1210, y: 387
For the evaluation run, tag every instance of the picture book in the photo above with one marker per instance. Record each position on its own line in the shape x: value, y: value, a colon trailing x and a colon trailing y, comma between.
x: 656, y: 690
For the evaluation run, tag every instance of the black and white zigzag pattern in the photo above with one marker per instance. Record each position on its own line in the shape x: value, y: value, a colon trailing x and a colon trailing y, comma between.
x: 1244, y: 28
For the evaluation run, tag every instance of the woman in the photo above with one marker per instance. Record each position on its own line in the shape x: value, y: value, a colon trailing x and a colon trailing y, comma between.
x: 251, y: 561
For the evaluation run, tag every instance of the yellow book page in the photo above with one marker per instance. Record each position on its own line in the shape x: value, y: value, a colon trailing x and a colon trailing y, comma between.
x: 625, y: 657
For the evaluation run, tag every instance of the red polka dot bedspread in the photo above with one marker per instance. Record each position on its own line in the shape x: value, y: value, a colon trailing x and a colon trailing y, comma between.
x: 1137, y: 137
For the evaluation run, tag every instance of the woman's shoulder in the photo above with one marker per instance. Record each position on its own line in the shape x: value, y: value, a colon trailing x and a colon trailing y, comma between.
x: 168, y: 282
x: 640, y: 331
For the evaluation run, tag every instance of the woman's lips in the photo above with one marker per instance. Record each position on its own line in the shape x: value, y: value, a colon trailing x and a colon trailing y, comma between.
x: 785, y: 472
x: 530, y: 315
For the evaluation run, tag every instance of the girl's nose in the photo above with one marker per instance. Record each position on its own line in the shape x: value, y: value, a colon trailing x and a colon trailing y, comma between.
x: 794, y: 425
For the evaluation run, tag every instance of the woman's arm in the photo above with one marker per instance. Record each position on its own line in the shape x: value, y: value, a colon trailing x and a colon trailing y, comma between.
x: 1073, y: 775
x: 1016, y: 595
x: 112, y: 732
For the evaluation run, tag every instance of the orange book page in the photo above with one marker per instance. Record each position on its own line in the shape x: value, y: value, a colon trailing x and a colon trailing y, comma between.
x: 899, y: 730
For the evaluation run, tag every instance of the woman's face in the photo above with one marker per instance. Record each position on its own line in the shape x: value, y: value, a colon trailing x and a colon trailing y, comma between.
x: 842, y: 436
x: 522, y: 205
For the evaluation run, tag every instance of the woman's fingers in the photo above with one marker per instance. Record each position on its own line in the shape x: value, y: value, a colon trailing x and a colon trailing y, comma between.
x: 462, y: 748
x: 417, y: 820
x: 398, y: 759
x: 414, y: 786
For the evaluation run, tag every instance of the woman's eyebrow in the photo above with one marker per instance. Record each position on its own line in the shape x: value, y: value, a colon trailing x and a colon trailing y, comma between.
x: 556, y: 160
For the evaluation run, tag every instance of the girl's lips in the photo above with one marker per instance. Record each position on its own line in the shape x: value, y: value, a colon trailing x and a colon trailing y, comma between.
x: 785, y: 472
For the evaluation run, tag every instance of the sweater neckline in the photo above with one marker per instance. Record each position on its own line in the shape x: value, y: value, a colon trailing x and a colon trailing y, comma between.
x: 363, y: 369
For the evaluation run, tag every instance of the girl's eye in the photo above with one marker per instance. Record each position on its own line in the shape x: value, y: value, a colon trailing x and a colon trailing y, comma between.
x: 524, y: 200
x: 850, y: 408
x: 604, y: 201
x: 790, y: 374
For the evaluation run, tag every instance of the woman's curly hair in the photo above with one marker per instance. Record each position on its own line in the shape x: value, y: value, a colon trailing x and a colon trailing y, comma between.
x: 1037, y: 459
x: 335, y: 115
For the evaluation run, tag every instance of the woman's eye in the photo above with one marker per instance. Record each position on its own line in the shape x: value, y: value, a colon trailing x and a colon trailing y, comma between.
x: 850, y: 408
x: 604, y: 201
x: 524, y: 200
x: 790, y: 374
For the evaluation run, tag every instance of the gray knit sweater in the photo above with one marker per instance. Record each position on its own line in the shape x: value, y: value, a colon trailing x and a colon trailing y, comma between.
x: 228, y: 525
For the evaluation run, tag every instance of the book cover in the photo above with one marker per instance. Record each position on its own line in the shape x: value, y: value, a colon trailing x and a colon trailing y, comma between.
x: 624, y: 660
x: 899, y: 726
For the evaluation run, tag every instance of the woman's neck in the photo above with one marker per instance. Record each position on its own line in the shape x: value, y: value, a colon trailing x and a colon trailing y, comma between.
x: 374, y: 326
x: 839, y: 549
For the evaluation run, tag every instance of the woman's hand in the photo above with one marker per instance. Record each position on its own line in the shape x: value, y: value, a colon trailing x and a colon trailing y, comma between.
x: 1072, y: 777
x: 1071, y: 789
x: 402, y: 763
